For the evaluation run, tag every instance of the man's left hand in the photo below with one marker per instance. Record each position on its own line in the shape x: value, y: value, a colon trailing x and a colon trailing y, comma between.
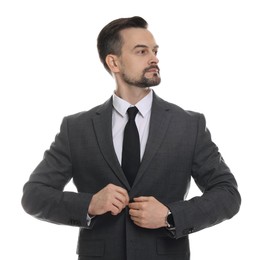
x: 148, y: 212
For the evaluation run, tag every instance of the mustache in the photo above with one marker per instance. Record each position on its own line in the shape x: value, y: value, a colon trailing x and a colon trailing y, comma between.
x: 152, y: 67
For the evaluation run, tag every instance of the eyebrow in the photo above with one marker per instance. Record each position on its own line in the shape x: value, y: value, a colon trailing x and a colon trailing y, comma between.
x: 144, y: 46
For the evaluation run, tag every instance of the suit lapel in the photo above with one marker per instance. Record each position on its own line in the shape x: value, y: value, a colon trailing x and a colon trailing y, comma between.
x: 103, y: 128
x: 159, y: 122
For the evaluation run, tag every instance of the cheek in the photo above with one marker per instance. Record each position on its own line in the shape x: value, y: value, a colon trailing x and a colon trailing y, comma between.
x: 136, y: 69
x: 132, y: 67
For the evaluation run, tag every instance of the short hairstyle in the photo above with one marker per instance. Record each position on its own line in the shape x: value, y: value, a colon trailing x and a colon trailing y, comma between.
x: 109, y: 40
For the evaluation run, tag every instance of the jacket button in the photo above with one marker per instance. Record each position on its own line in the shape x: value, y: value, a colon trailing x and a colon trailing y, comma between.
x: 188, y: 231
x: 191, y: 230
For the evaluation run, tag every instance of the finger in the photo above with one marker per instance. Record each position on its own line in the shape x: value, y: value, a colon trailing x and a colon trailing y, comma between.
x: 117, y: 192
x: 114, y: 210
x: 135, y: 205
x: 125, y: 197
x: 123, y: 193
x: 116, y: 188
x: 134, y: 213
x: 116, y: 207
x: 118, y: 204
x: 135, y: 220
x: 141, y: 199
x: 120, y: 197
x: 139, y: 222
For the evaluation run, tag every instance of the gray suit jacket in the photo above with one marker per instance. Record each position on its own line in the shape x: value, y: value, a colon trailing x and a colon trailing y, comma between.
x: 179, y: 147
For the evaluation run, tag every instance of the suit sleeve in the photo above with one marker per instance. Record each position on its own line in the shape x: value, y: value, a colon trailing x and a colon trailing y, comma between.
x: 43, y: 195
x: 220, y: 198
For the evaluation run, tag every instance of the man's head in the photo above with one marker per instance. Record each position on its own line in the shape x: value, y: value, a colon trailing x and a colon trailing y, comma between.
x: 128, y: 50
x: 109, y: 40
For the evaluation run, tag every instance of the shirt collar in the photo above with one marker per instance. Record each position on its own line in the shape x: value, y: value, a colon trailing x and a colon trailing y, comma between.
x: 144, y: 105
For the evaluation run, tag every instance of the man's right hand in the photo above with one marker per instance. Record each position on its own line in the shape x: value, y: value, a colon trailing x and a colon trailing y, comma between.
x: 111, y: 198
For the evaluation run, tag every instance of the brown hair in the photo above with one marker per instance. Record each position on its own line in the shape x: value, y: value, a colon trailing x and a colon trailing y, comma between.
x: 109, y: 40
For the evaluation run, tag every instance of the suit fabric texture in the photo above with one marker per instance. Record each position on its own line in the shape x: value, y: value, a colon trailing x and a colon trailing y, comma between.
x: 179, y: 147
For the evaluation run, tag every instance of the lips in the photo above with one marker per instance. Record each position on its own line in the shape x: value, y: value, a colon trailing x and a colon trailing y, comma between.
x: 154, y: 69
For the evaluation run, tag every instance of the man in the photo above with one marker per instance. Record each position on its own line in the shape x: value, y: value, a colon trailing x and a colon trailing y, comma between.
x: 131, y: 193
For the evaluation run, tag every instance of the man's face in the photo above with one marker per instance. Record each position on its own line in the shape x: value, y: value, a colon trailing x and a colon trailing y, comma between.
x: 138, y: 59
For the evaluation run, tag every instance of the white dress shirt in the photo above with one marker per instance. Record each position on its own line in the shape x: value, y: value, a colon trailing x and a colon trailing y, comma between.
x: 120, y: 118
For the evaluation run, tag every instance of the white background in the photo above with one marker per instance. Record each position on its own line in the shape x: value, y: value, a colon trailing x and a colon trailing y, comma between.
x: 210, y: 62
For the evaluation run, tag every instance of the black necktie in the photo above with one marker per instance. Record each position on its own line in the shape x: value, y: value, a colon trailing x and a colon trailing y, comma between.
x: 131, y: 147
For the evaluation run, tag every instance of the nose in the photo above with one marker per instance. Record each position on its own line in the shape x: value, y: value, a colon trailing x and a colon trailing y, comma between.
x: 153, y: 59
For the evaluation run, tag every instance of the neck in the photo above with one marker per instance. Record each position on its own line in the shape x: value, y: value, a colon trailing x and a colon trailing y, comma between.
x: 132, y: 95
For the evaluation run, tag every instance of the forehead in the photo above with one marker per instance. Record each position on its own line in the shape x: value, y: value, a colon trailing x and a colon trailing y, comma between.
x: 137, y: 36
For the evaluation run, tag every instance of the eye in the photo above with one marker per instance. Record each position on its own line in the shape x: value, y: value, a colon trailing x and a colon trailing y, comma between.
x: 155, y: 52
x: 142, y: 51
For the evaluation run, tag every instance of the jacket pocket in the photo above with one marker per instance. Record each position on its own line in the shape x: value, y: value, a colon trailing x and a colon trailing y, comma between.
x: 178, y: 247
x: 90, y: 247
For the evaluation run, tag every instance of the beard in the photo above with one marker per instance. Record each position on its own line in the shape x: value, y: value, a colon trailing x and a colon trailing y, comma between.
x: 143, y: 82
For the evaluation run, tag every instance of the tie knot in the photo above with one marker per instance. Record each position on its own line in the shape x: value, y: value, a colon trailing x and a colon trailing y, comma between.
x: 132, y: 112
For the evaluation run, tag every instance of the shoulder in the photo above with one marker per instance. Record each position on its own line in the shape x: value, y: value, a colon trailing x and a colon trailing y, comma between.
x: 176, y: 110
x: 88, y: 115
x: 81, y: 122
x: 183, y: 121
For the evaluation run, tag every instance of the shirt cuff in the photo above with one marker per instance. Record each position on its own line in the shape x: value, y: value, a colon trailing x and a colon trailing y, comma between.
x: 89, y: 219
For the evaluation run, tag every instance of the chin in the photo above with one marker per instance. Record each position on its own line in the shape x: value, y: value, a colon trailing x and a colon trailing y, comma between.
x: 155, y: 81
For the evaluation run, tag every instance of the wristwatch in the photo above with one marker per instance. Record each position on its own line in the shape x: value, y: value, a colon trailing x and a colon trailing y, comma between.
x: 170, y: 221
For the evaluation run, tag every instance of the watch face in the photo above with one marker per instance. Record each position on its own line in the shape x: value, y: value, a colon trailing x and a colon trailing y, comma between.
x: 170, y: 220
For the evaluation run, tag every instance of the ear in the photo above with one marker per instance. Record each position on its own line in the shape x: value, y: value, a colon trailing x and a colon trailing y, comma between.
x: 112, y: 62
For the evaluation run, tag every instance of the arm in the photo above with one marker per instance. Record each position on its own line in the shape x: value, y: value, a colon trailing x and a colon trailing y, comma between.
x: 43, y: 195
x: 220, y: 199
